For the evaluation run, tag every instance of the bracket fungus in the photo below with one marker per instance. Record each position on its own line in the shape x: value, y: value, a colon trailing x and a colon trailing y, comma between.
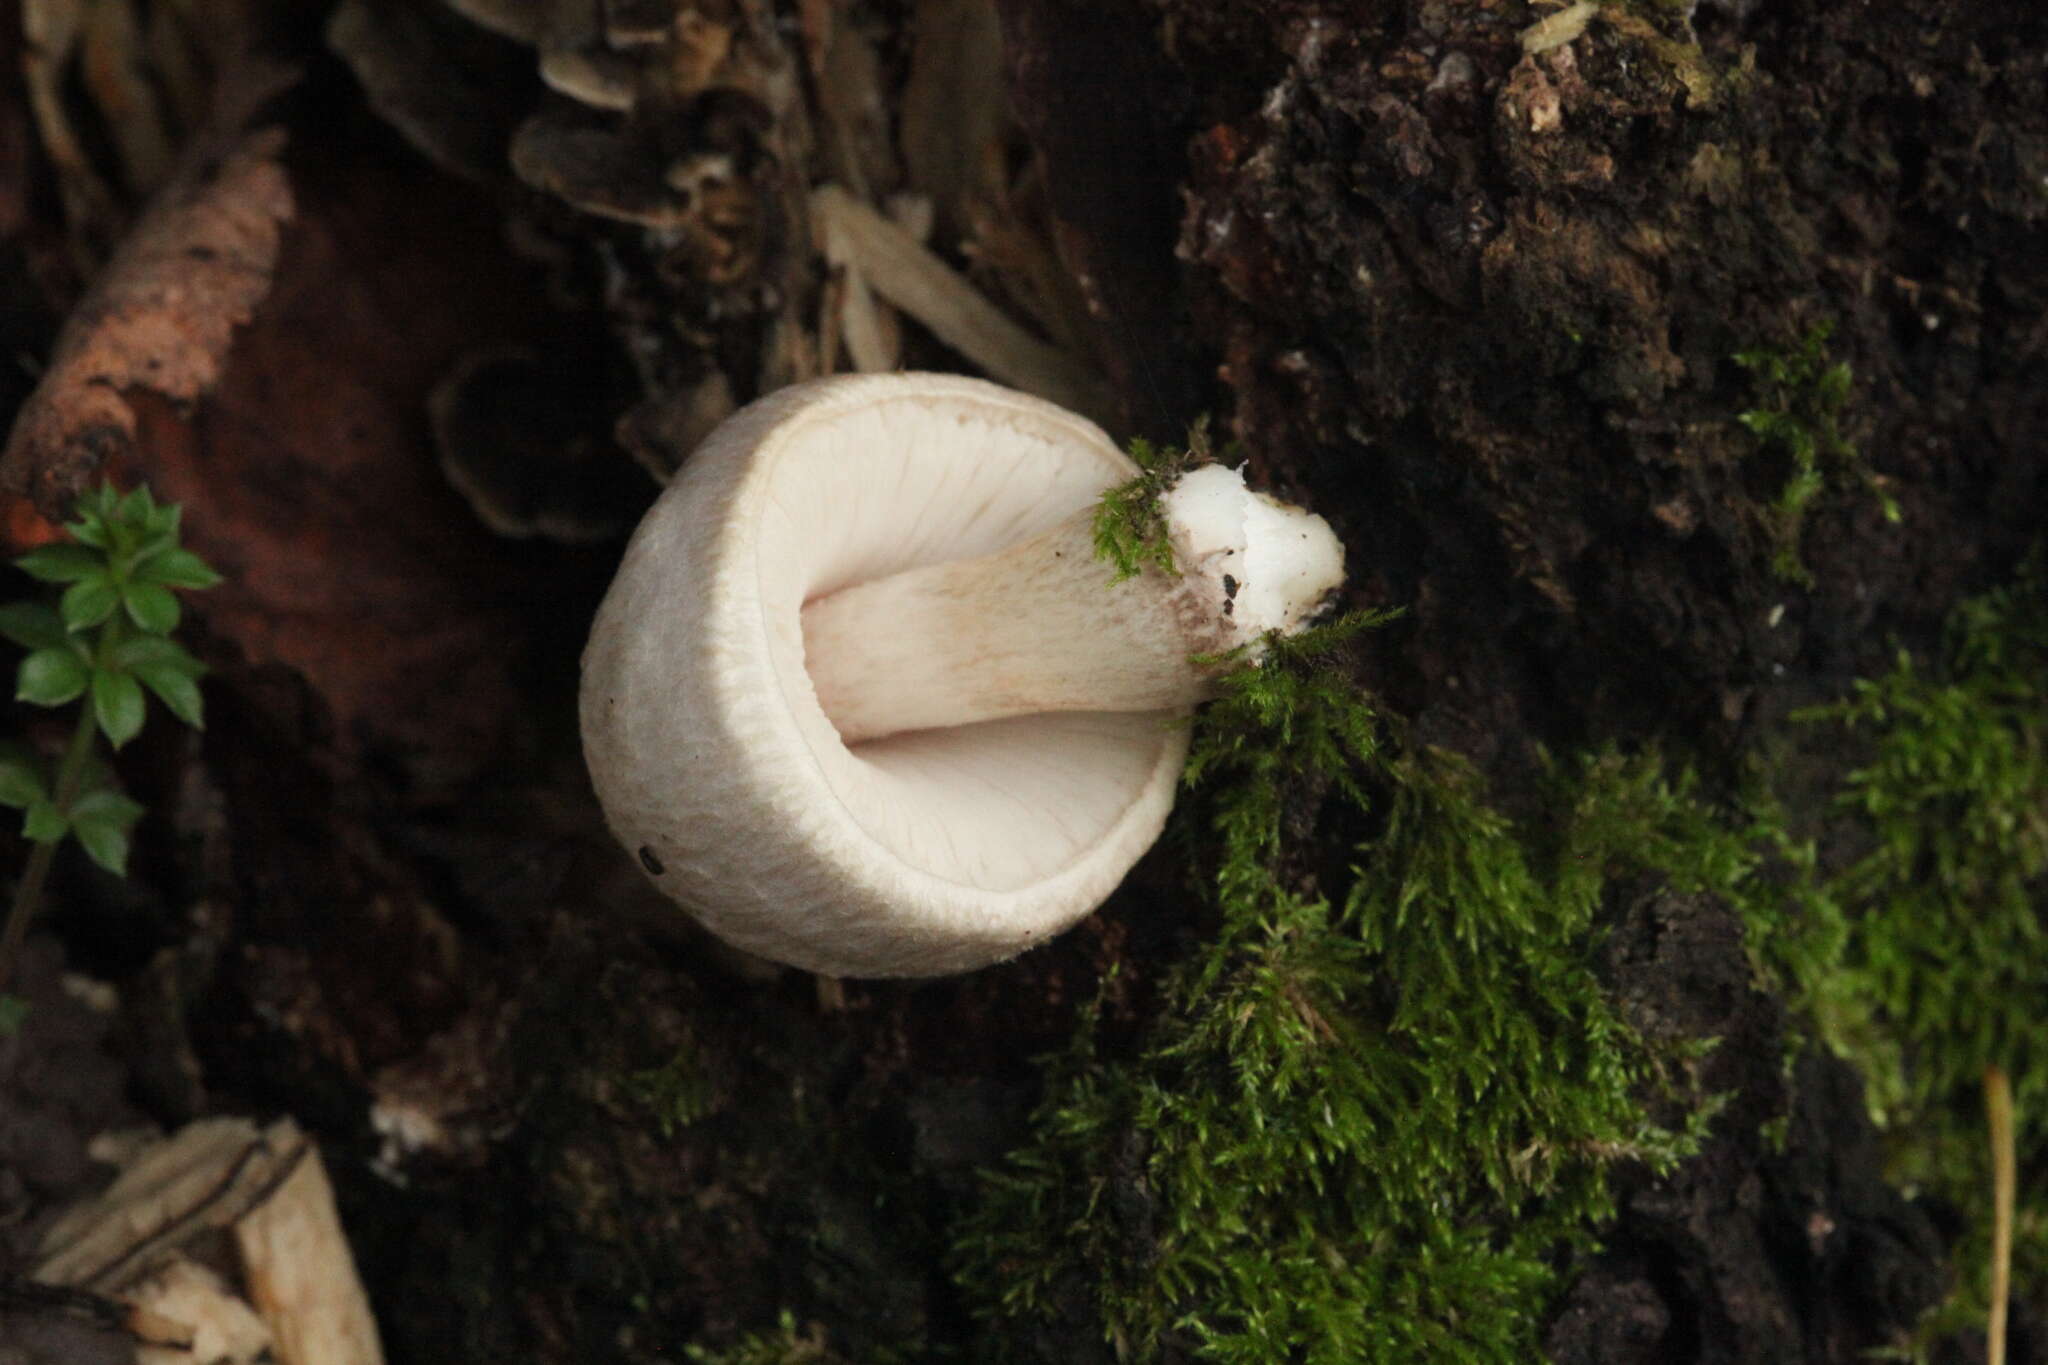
x: 863, y: 699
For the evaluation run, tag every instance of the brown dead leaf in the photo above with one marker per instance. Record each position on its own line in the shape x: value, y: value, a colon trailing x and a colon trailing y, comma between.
x: 160, y: 318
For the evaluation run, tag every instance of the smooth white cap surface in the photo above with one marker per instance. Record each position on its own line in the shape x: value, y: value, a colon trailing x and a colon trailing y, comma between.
x: 928, y: 852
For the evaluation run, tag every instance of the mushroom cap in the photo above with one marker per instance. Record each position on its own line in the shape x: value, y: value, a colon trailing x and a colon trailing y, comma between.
x: 923, y: 853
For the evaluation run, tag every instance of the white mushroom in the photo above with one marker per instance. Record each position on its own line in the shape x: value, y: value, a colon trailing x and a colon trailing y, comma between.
x: 863, y: 699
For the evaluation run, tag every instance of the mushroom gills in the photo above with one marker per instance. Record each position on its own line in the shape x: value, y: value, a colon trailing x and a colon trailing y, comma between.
x: 1040, y: 625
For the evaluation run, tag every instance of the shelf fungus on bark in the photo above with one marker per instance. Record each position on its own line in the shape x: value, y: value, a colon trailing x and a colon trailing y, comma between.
x: 862, y: 697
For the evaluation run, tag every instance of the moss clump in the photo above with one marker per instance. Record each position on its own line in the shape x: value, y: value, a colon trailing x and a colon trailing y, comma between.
x: 783, y: 1345
x: 1922, y: 960
x: 1130, y: 532
x: 1800, y: 396
x: 1378, y: 1104
x: 675, y: 1094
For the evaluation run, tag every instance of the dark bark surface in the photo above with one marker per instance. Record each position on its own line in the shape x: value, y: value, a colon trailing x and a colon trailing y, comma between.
x: 1487, y: 304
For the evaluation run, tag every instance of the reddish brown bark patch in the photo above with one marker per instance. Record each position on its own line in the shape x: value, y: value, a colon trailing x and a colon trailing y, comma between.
x: 309, y: 478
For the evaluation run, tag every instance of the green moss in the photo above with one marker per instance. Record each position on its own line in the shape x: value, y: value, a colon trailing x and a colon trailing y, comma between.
x: 1800, y: 396
x: 1381, y: 1102
x: 1129, y: 530
x: 1376, y: 1111
x: 1957, y: 797
x: 1922, y: 960
x: 675, y: 1094
x: 783, y: 1345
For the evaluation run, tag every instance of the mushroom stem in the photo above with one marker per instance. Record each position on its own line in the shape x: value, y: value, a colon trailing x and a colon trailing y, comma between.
x: 1040, y: 625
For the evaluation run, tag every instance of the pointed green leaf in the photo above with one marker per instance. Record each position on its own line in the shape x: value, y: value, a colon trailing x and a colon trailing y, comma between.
x: 33, y: 625
x: 61, y: 563
x: 88, y: 530
x: 88, y: 602
x: 151, y: 606
x: 175, y: 568
x: 139, y: 653
x: 13, y: 1014
x: 124, y: 539
x: 106, y: 806
x: 101, y: 820
x: 177, y: 690
x: 52, y: 677
x: 44, y: 823
x: 117, y: 705
x: 135, y: 507
x: 107, y: 845
x: 21, y: 782
x: 159, y: 530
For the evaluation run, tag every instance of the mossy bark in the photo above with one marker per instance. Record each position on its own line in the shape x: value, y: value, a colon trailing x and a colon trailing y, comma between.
x: 1481, y: 306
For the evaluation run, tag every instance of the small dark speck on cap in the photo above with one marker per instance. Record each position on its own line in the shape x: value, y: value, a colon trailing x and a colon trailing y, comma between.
x: 650, y: 862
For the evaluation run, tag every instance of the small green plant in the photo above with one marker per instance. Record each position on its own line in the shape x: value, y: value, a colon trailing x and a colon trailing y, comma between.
x: 1130, y: 533
x: 104, y: 643
x: 1800, y: 395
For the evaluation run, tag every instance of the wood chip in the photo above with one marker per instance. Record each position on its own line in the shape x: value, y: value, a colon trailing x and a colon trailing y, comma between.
x: 853, y: 235
x: 266, y: 1187
x: 874, y: 340
x: 184, y: 1313
x: 1560, y: 28
x: 302, y: 1276
x: 201, y: 1179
